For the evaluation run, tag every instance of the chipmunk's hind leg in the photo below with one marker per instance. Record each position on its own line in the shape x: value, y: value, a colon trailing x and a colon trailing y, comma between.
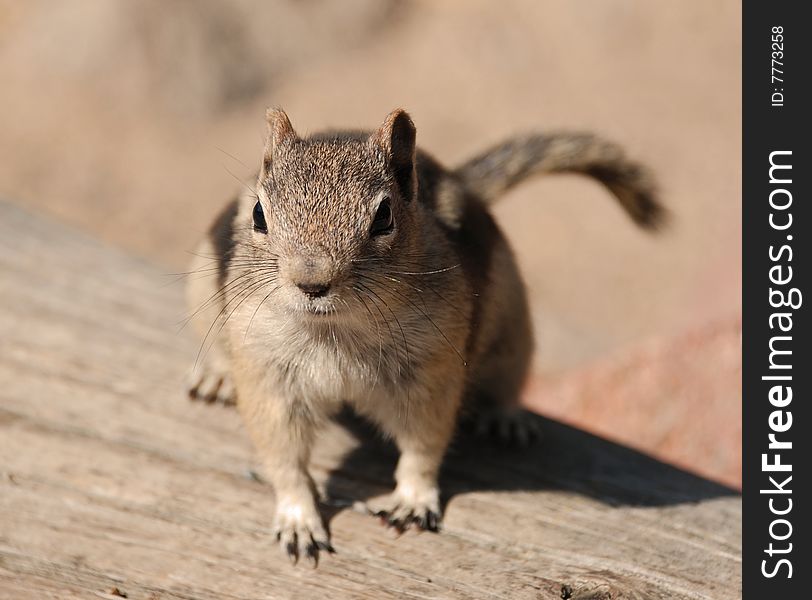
x: 502, y: 363
x: 493, y: 408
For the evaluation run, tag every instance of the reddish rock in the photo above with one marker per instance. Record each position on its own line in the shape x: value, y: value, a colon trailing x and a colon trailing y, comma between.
x: 678, y: 399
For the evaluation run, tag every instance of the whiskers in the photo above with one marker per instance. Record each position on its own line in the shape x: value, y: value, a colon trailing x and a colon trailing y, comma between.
x: 249, y: 277
x: 385, y: 319
x: 375, y: 274
x: 417, y: 309
x: 399, y: 298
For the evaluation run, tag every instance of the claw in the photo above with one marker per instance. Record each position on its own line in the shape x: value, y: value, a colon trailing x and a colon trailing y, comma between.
x: 433, y: 520
x: 302, y: 540
x: 312, y: 553
x: 430, y: 521
x: 396, y: 524
x: 211, y: 387
x: 293, y: 552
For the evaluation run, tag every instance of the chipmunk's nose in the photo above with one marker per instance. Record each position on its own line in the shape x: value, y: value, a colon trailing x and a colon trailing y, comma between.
x: 312, y: 274
x: 313, y: 290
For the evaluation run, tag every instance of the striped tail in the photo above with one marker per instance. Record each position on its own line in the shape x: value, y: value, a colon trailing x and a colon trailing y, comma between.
x: 500, y: 168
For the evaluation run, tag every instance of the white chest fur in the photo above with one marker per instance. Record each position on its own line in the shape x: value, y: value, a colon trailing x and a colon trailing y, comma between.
x: 323, y: 361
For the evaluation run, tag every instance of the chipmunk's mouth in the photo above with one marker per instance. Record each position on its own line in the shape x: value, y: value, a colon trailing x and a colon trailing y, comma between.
x: 317, y: 311
x: 321, y: 308
x: 318, y: 308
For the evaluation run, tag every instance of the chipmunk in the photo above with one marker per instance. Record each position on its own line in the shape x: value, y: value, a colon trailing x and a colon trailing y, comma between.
x: 361, y: 271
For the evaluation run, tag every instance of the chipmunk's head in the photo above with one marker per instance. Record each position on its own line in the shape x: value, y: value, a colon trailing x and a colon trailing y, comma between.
x: 332, y: 206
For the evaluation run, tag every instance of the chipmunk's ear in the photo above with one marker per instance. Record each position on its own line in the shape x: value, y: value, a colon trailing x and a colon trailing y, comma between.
x: 279, y: 131
x: 396, y: 136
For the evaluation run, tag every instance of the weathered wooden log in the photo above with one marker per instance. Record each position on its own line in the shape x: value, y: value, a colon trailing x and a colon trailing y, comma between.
x: 113, y: 483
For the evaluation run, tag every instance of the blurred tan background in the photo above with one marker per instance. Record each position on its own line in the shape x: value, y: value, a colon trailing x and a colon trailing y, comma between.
x: 136, y: 120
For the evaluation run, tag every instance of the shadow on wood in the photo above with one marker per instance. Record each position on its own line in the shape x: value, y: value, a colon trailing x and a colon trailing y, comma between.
x: 565, y: 459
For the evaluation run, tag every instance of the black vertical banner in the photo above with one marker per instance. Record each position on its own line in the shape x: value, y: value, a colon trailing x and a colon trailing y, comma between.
x: 777, y: 222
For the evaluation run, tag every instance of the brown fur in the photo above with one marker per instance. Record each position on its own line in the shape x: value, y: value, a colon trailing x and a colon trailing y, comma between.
x: 406, y: 327
x: 500, y: 168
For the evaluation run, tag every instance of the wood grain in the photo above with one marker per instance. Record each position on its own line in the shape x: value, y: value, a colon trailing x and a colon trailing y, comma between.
x: 114, y: 483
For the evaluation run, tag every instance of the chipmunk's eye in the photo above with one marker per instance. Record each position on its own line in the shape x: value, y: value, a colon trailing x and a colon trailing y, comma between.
x: 259, y: 218
x: 384, y: 221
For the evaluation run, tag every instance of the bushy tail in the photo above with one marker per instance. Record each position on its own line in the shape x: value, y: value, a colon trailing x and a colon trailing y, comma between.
x: 500, y: 168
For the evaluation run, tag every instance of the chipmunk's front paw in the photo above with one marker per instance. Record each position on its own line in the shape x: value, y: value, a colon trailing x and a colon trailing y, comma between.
x: 211, y: 386
x: 408, y: 506
x: 300, y: 531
